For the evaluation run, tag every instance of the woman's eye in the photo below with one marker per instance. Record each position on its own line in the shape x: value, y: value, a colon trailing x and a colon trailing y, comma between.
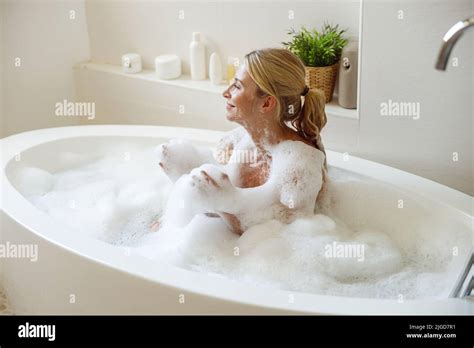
x: 235, y: 85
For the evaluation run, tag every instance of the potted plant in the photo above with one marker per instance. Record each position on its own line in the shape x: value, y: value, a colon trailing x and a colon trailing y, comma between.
x: 320, y: 52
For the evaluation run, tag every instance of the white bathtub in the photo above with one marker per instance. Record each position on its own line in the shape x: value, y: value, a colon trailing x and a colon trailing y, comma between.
x: 75, y: 274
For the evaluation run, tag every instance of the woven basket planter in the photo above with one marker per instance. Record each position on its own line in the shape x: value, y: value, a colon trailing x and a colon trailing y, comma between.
x: 323, y: 78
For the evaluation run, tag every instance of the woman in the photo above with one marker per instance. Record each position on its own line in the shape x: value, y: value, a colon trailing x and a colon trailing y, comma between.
x: 280, y: 121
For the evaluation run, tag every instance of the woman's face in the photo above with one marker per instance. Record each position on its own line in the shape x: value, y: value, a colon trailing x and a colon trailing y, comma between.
x: 242, y: 100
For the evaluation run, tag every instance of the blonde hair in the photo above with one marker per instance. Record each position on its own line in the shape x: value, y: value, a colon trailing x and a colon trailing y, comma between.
x: 281, y: 74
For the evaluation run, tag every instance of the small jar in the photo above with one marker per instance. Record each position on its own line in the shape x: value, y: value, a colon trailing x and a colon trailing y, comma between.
x: 168, y: 66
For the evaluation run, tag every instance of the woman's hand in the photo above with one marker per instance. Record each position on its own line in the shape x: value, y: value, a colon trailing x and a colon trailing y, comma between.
x: 179, y: 156
x: 213, y: 185
x: 173, y: 158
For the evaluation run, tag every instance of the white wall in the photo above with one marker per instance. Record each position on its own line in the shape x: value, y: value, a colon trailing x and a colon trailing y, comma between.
x: 231, y: 28
x: 398, y: 57
x: 48, y: 42
x: 124, y: 99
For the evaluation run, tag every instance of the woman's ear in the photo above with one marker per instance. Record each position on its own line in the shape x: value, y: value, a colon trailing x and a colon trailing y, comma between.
x: 269, y: 104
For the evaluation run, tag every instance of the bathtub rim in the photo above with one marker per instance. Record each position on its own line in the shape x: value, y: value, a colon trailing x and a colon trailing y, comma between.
x: 203, y: 284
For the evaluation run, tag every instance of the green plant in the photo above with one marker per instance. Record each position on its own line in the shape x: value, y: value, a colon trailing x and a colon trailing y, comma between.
x: 317, y: 48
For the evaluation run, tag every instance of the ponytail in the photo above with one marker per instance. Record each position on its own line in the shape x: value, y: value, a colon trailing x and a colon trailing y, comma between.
x: 312, y: 117
x: 309, y: 123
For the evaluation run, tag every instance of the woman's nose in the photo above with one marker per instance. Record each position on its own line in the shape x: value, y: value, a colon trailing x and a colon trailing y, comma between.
x: 226, y: 93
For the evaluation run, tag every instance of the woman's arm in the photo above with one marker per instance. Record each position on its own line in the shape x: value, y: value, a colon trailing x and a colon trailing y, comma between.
x: 218, y: 193
x: 295, y: 180
x: 293, y: 185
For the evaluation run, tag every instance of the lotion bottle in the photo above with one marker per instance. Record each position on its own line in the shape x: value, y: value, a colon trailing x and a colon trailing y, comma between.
x: 215, y: 69
x: 197, y: 60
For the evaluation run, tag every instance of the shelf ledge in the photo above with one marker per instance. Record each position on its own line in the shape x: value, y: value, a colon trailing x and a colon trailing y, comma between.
x: 185, y: 81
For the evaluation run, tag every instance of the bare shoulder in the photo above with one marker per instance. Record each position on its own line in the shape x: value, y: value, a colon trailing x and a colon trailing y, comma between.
x: 296, y: 155
x: 296, y: 148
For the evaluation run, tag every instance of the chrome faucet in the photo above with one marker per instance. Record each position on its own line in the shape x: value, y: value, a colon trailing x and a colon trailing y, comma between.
x: 465, y: 283
x: 450, y: 39
x: 464, y: 286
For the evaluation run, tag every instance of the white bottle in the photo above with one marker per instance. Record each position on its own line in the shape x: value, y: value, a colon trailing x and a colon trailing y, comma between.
x: 197, y: 60
x: 215, y: 69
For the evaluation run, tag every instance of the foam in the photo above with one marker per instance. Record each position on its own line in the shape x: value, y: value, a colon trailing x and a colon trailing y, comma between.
x: 113, y: 198
x: 34, y: 181
x: 407, y: 251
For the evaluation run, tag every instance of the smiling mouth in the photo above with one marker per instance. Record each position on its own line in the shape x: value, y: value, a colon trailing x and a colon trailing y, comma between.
x: 229, y: 105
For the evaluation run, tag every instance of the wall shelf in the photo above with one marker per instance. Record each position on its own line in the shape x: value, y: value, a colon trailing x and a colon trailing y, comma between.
x: 333, y: 109
x: 149, y: 75
x: 184, y: 81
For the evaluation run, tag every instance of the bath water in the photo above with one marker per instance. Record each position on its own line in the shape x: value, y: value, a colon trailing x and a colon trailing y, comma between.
x: 360, y: 241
